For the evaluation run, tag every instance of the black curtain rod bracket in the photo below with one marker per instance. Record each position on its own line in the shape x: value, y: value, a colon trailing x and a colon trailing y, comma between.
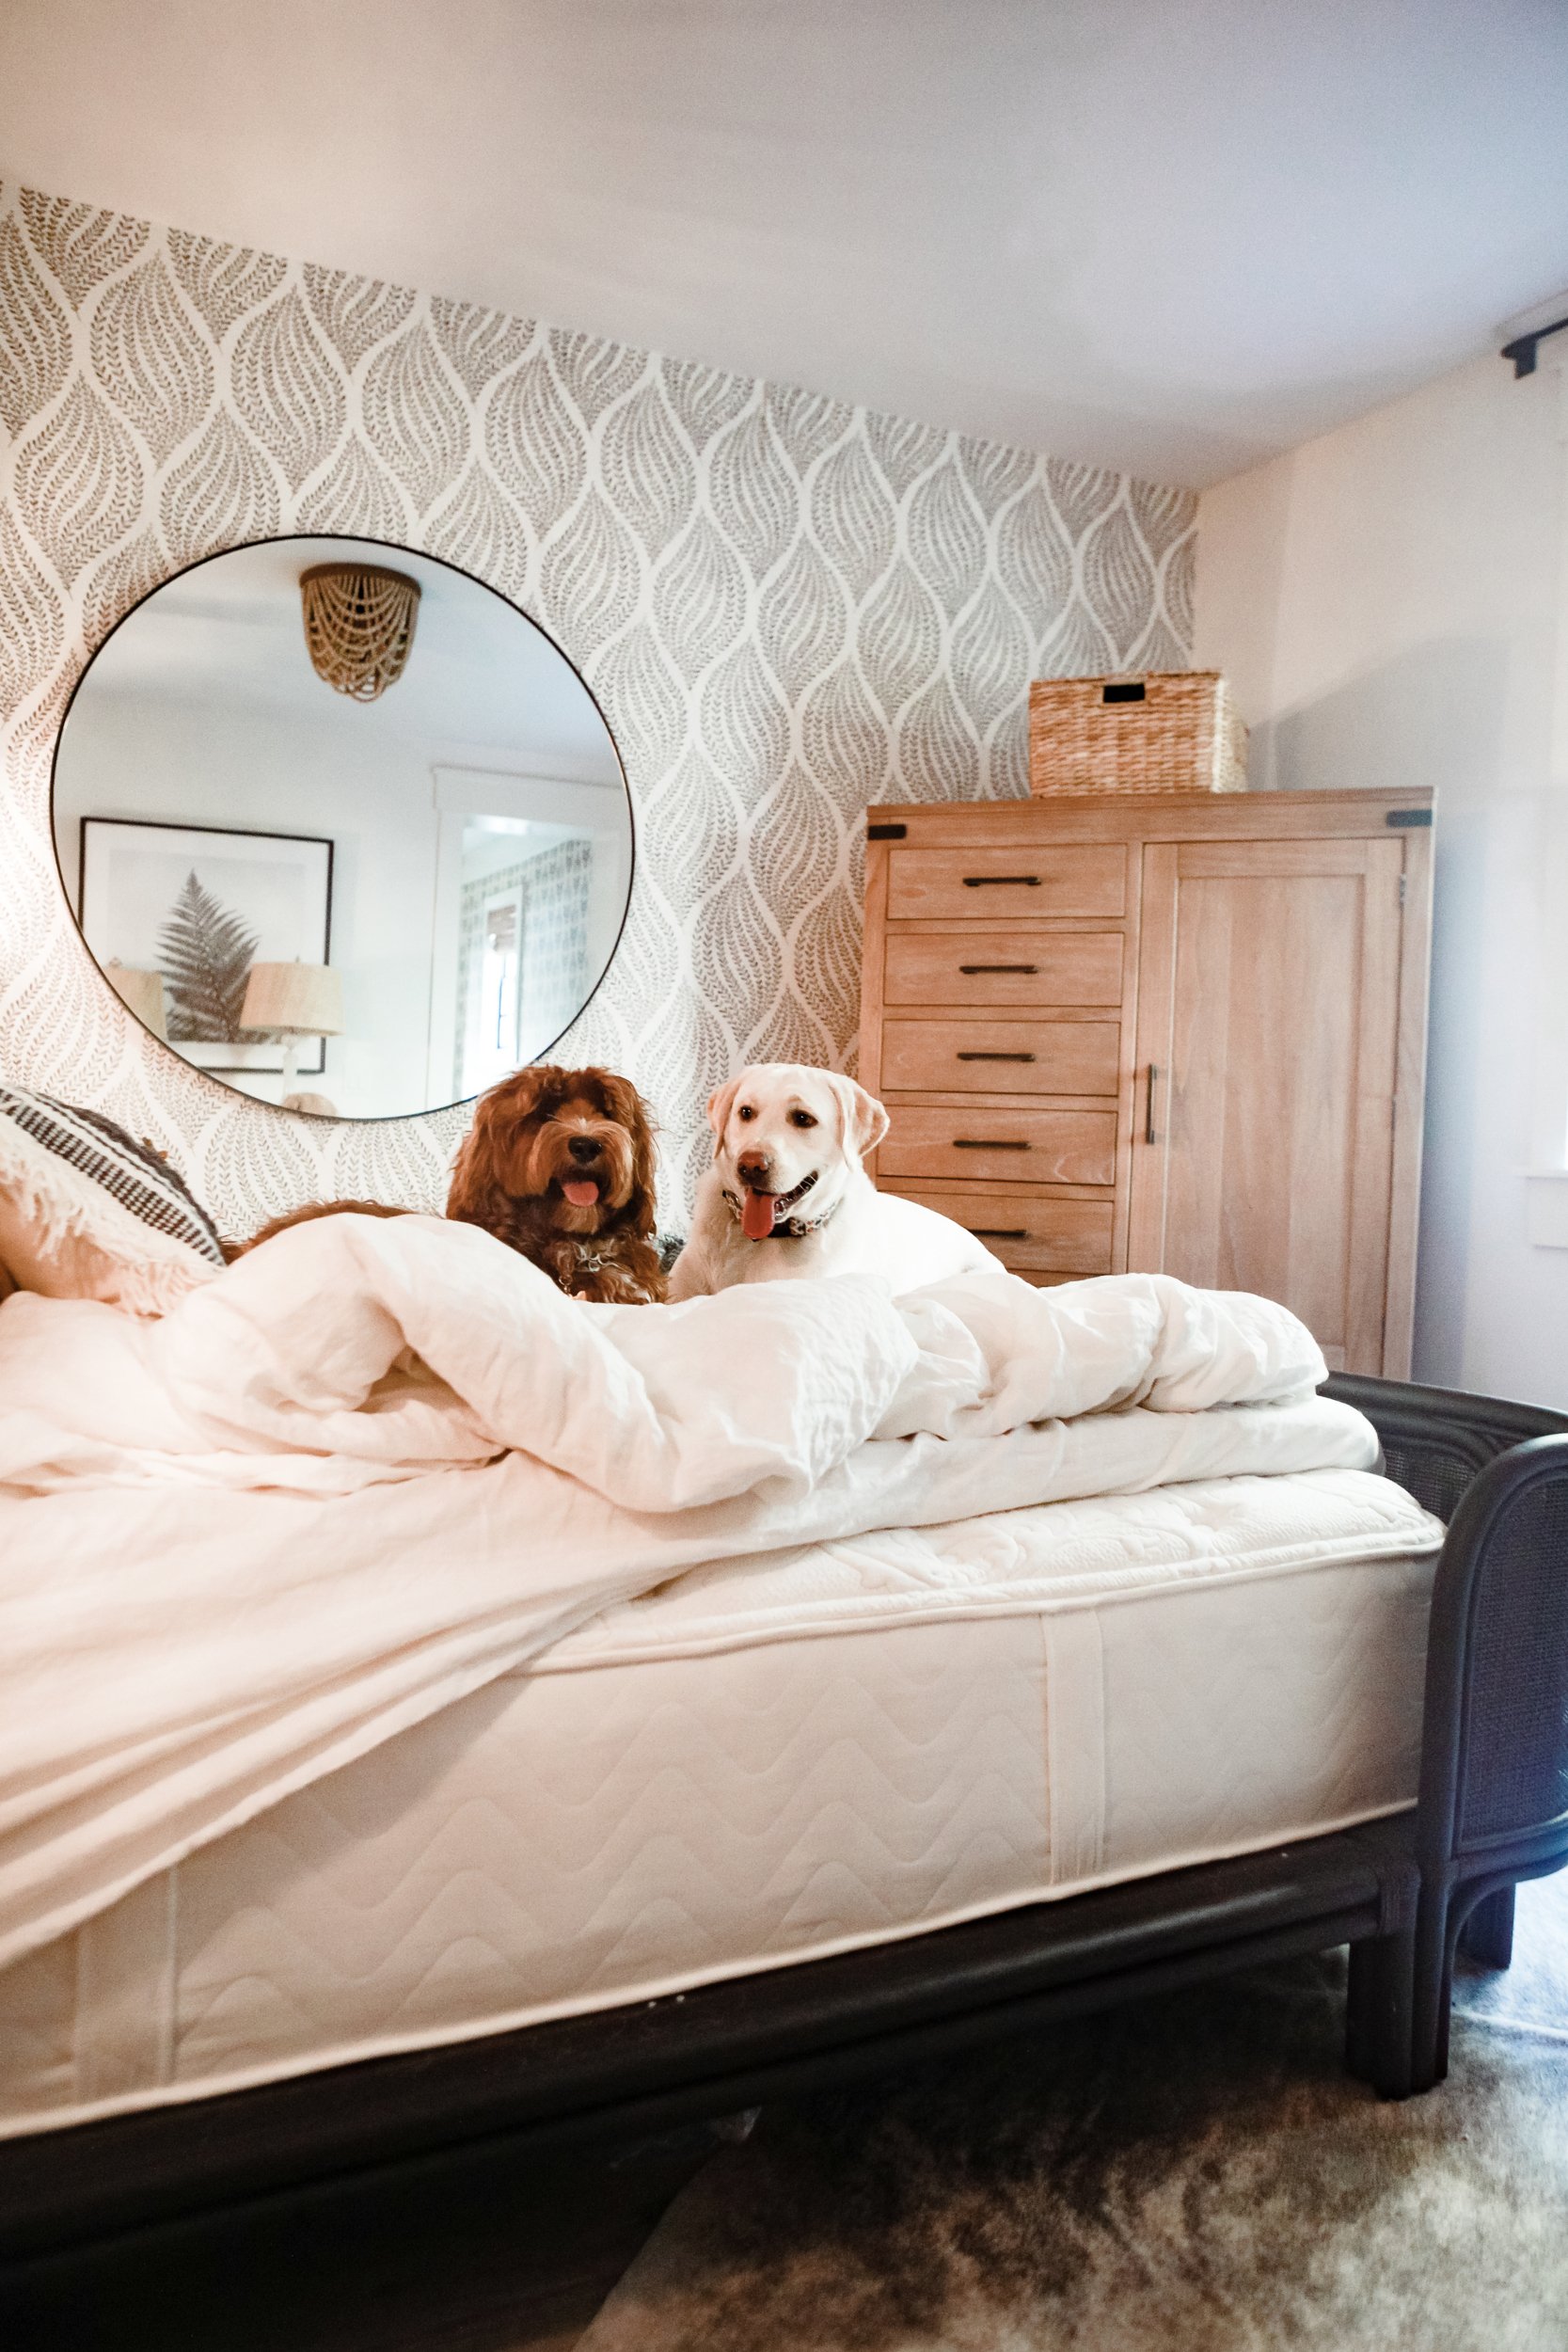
x: 1522, y: 349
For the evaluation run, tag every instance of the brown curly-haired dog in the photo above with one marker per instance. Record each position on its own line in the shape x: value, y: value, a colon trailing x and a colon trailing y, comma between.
x: 559, y: 1164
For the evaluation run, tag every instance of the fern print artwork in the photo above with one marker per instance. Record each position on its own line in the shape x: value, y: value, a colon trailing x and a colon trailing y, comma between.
x: 198, y: 905
x: 205, y: 954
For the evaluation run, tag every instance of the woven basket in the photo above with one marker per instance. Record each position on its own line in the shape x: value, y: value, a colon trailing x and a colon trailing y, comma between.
x: 1171, y: 731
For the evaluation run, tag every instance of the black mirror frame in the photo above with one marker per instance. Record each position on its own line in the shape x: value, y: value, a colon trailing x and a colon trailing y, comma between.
x: 279, y: 538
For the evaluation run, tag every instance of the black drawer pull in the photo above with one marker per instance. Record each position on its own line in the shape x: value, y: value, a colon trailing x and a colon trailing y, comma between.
x: 1001, y: 882
x: 1000, y: 1233
x: 1404, y: 818
x: 983, y: 1143
x: 886, y: 833
x: 998, y: 967
x: 977, y: 1056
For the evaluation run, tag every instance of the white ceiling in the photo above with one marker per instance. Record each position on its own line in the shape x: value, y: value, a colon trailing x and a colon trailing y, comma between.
x: 484, y: 685
x: 1171, y: 235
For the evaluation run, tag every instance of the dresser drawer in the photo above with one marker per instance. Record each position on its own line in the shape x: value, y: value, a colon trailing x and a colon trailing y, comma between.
x: 1012, y: 1146
x: 1001, y: 1056
x: 1031, y: 1232
x: 1003, y: 968
x: 1005, y: 883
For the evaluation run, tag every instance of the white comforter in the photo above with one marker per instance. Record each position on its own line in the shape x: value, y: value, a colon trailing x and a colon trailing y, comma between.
x: 378, y: 1463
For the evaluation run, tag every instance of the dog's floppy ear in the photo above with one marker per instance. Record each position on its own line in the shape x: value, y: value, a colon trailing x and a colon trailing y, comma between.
x: 872, y: 1120
x: 865, y: 1120
x: 719, y: 1106
x: 624, y: 1104
x: 477, y: 1172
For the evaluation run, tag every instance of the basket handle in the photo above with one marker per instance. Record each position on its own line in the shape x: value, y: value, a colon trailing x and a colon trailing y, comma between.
x: 1124, y: 690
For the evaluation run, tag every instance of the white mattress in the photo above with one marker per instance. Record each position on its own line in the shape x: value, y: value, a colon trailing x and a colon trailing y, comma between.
x: 767, y: 1762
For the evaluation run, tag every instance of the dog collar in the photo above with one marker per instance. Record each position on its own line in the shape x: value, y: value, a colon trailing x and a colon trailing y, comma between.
x: 788, y: 1228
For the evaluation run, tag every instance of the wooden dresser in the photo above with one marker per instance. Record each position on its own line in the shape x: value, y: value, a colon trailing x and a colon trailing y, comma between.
x: 1182, y: 1033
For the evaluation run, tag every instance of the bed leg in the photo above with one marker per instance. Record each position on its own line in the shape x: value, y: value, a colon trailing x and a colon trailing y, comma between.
x: 1487, y: 1935
x: 1378, y: 2012
x: 1434, y: 1990
x: 1358, y: 2012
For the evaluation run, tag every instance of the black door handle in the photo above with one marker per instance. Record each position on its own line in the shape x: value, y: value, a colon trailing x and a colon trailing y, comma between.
x: 1148, y: 1106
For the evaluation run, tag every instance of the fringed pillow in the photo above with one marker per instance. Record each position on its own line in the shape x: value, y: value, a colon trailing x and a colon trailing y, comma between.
x: 85, y: 1211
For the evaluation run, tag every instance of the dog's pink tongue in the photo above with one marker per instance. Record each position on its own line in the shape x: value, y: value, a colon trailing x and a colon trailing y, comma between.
x: 756, y: 1215
x: 582, y: 1191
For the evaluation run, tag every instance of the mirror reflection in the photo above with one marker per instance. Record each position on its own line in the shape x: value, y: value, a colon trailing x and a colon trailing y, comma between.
x: 343, y: 826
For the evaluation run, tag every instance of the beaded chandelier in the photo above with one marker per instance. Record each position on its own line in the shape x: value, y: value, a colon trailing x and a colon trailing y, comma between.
x: 359, y: 626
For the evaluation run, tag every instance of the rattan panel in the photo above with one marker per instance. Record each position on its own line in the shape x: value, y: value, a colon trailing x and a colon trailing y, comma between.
x: 1435, y: 1475
x: 1515, y: 1775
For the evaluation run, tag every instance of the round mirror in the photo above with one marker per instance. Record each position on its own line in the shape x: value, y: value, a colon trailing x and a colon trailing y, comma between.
x: 343, y: 826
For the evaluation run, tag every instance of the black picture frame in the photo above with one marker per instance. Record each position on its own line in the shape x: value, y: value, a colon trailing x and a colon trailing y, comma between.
x: 109, y: 928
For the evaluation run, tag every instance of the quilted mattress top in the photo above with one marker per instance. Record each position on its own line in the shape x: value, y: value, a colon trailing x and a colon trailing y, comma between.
x: 1055, y: 1557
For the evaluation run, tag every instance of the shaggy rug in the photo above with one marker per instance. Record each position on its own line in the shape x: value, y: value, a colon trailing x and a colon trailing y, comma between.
x: 1193, y: 2174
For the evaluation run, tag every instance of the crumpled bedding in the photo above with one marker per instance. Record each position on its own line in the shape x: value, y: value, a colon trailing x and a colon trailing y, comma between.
x: 380, y: 1462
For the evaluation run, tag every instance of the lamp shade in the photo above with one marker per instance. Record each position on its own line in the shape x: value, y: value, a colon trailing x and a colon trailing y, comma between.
x: 293, y: 1000
x: 143, y: 992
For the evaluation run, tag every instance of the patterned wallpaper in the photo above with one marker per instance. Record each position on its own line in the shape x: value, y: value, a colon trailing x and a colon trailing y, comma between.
x: 787, y: 607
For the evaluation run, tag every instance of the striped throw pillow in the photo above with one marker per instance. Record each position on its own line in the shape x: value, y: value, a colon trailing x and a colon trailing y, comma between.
x: 130, y: 1172
x: 88, y: 1213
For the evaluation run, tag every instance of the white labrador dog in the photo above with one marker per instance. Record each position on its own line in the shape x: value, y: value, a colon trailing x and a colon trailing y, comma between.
x: 787, y: 1196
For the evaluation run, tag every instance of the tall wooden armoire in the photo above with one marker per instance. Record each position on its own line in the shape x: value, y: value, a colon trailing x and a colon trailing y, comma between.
x: 1175, y: 1032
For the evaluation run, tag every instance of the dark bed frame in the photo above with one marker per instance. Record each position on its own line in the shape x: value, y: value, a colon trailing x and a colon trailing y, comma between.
x: 1492, y: 1809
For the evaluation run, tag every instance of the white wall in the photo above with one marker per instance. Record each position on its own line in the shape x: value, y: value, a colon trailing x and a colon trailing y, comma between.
x: 1385, y: 601
x: 126, y: 757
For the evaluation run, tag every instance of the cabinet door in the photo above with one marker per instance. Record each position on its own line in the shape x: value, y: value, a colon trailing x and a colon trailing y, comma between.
x: 1267, y: 1021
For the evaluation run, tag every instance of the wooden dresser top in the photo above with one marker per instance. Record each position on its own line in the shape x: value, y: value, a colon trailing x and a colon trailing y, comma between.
x: 1148, y: 816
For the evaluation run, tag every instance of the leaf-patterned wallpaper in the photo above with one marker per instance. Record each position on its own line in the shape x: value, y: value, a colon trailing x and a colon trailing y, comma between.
x: 787, y: 607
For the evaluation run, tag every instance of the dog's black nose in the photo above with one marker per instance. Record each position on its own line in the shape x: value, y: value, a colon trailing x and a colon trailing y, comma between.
x: 583, y: 1149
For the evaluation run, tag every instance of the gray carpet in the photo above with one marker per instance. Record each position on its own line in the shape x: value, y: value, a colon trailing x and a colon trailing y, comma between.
x: 1193, y: 2174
